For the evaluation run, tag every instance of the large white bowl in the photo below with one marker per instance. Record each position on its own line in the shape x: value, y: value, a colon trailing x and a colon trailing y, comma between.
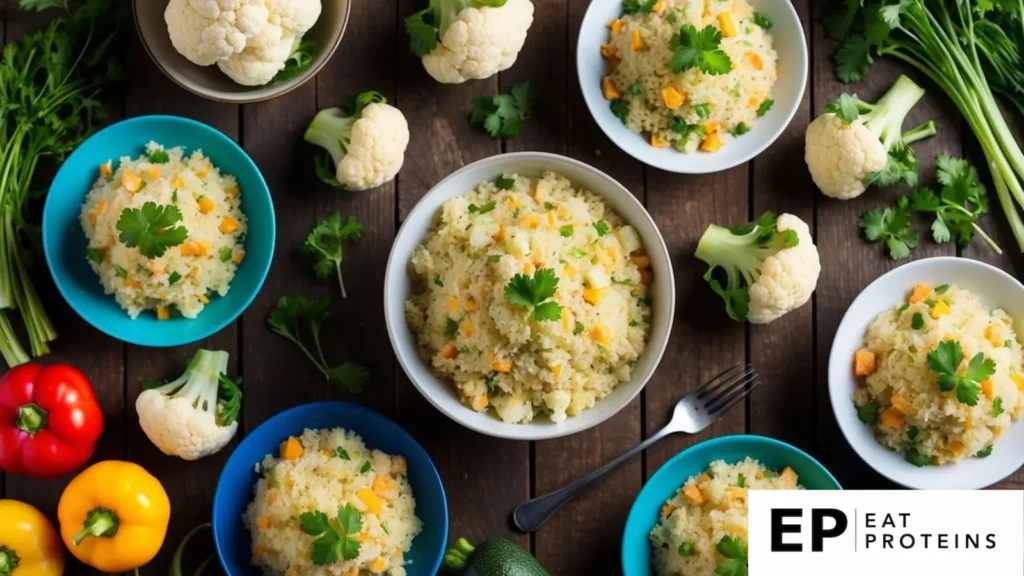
x: 788, y: 91
x: 996, y: 289
x: 441, y: 393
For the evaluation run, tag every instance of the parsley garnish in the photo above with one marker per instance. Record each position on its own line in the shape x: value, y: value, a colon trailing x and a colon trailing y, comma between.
x: 533, y: 292
x: 159, y: 156
x: 342, y: 453
x: 502, y: 115
x: 671, y: 17
x: 565, y: 231
x: 735, y: 554
x: 633, y: 323
x: 913, y: 432
x: 984, y: 452
x: 917, y: 322
x: 438, y: 281
x: 868, y: 413
x: 916, y: 458
x: 761, y: 20
x: 699, y: 48
x: 765, y: 107
x: 504, y: 183
x: 549, y: 206
x: 174, y: 277
x: 473, y: 208
x: 152, y: 229
x: 946, y: 359
x: 892, y: 226
x: 451, y: 329
x: 739, y: 129
x: 326, y: 243
x: 635, y: 6
x: 94, y: 254
x: 365, y: 467
x: 336, y: 541
x: 941, y: 289
x: 997, y: 406
x: 492, y: 387
x: 620, y: 109
x: 601, y: 227
x: 298, y: 320
x: 578, y: 328
x: 120, y: 271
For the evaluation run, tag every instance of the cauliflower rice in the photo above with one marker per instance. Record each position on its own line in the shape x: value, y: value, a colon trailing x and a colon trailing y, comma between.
x: 333, y: 468
x: 900, y: 398
x: 707, y: 508
x: 496, y: 352
x: 210, y: 205
x: 713, y: 108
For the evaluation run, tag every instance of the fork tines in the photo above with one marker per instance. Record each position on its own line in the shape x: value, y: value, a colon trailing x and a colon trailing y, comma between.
x: 721, y: 392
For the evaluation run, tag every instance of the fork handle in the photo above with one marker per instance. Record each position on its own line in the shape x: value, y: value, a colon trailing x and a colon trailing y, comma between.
x: 532, y: 514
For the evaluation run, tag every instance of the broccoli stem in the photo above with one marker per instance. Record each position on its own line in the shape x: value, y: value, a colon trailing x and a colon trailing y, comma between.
x: 199, y: 382
x: 885, y: 118
x: 331, y: 129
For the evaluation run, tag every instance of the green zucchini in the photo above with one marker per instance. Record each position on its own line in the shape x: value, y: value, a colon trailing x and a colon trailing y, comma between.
x: 491, y: 558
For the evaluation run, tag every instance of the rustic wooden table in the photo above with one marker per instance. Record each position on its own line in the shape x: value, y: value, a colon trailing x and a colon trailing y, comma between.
x: 486, y: 478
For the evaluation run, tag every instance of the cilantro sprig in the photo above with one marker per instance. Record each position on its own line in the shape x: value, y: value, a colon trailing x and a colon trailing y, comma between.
x: 637, y: 6
x: 326, y: 243
x: 502, y: 115
x: 735, y: 553
x: 692, y: 48
x: 945, y: 361
x: 152, y: 229
x: 336, y: 540
x: 534, y: 293
x: 299, y: 320
x: 958, y: 204
x: 892, y: 226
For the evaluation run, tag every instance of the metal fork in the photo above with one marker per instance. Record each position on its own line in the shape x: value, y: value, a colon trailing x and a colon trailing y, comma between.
x: 693, y: 413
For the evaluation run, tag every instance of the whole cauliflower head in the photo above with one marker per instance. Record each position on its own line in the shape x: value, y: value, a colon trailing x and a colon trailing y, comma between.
x: 841, y: 156
x: 480, y: 42
x: 206, y: 31
x: 769, y: 266
x: 175, y: 427
x: 367, y: 146
x: 788, y: 278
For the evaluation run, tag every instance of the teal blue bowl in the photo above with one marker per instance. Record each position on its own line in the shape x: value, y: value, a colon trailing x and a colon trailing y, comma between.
x: 636, y: 548
x: 64, y: 243
x: 235, y: 487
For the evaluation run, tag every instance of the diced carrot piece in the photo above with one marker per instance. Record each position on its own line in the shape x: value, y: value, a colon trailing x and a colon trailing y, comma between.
x: 228, y: 225
x: 616, y: 26
x: 993, y: 333
x: 372, y: 501
x: 646, y: 277
x: 753, y: 102
x: 327, y: 452
x: 92, y: 217
x: 673, y: 97
x: 449, y: 351
x: 162, y: 313
x: 692, y: 493
x: 704, y: 477
x: 601, y: 334
x: 556, y: 370
x: 238, y: 257
x: 900, y: 402
x: 384, y: 487
x: 658, y: 142
x: 453, y: 303
x: 263, y: 522
x: 667, y: 509
x: 131, y: 181
x: 502, y: 366
x: 291, y: 449
x: 566, y: 318
x: 106, y: 169
x: 378, y: 565
x: 788, y: 478
x: 891, y: 418
x: 531, y: 221
x: 754, y: 59
x: 528, y: 268
x: 594, y: 295
x: 636, y: 41
x: 711, y: 143
x: 863, y: 362
x: 919, y: 293
x: 205, y: 205
x: 609, y: 89
x: 956, y: 447
x: 153, y: 172
x: 470, y: 305
x: 940, y: 309
x: 257, y: 550
x: 987, y: 388
x: 609, y: 51
x: 658, y: 6
x: 709, y: 126
x: 641, y: 261
x: 481, y: 402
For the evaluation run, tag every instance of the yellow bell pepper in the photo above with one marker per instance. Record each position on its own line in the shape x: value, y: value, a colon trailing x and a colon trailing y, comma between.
x: 29, y: 545
x: 113, y: 516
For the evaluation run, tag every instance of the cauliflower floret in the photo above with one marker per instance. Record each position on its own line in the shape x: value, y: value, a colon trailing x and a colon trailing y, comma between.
x: 367, y: 147
x: 476, y: 40
x: 206, y: 31
x: 771, y: 266
x: 788, y: 278
x: 858, y: 144
x: 262, y: 59
x: 294, y: 16
x: 195, y: 415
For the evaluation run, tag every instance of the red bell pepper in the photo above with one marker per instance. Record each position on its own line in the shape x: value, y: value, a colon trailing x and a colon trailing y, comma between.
x: 49, y: 420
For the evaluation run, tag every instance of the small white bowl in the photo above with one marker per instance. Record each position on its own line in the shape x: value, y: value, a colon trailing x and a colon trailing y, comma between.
x: 996, y: 289
x: 441, y: 393
x: 789, y: 43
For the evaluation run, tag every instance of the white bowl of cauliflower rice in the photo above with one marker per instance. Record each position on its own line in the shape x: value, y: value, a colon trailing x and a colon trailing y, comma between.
x: 529, y: 296
x: 926, y: 375
x: 692, y: 86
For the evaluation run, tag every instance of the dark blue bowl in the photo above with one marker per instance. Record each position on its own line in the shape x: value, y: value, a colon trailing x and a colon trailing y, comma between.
x: 235, y: 487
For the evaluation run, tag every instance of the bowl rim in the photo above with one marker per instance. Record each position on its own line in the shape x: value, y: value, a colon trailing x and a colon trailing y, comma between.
x: 435, y: 476
x: 391, y: 275
x: 710, y: 443
x: 845, y: 325
x: 65, y: 291
x: 308, y: 74
x: 641, y: 153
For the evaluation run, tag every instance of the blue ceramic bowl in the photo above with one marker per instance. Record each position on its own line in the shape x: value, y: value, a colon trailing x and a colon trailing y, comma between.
x: 636, y: 548
x: 64, y: 243
x: 235, y: 487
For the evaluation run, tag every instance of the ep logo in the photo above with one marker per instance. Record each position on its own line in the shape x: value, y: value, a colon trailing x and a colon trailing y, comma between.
x: 823, y: 523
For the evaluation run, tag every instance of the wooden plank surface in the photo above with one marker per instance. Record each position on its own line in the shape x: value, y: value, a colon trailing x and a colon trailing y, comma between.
x: 486, y: 478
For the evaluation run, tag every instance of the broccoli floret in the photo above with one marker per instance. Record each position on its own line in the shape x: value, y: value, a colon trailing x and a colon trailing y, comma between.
x: 740, y: 253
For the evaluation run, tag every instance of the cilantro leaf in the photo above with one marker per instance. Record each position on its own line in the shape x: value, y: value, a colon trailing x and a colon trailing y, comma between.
x: 172, y: 278
x: 566, y: 231
x: 868, y: 413
x: 620, y: 109
x: 423, y: 37
x: 342, y: 453
x: 159, y: 156
x: 578, y: 328
x: 916, y: 458
x: 635, y: 88
x: 957, y: 206
x: 637, y: 6
x: 532, y: 293
x: 891, y: 226
x: 699, y: 48
x: 917, y: 322
x: 350, y: 520
x: 152, y: 229
x: 761, y: 20
x: 601, y: 227
x: 739, y: 130
x: 980, y: 368
x: 741, y: 481
x: 732, y: 548
x: 326, y: 549
x: 945, y: 360
x: 845, y: 107
x: 984, y: 452
x: 900, y: 167
x: 502, y: 115
x: 350, y: 377
x: 225, y: 254
x: 997, y: 406
x: 326, y: 241
x: 299, y: 320
x: 504, y: 183
x: 314, y: 523
x: 968, y: 391
x: 765, y: 107
x: 946, y: 357
x: 365, y: 467
x: 94, y: 255
x: 852, y: 59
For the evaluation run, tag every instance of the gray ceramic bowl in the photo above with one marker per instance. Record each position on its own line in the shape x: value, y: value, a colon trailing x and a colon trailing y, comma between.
x: 208, y: 81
